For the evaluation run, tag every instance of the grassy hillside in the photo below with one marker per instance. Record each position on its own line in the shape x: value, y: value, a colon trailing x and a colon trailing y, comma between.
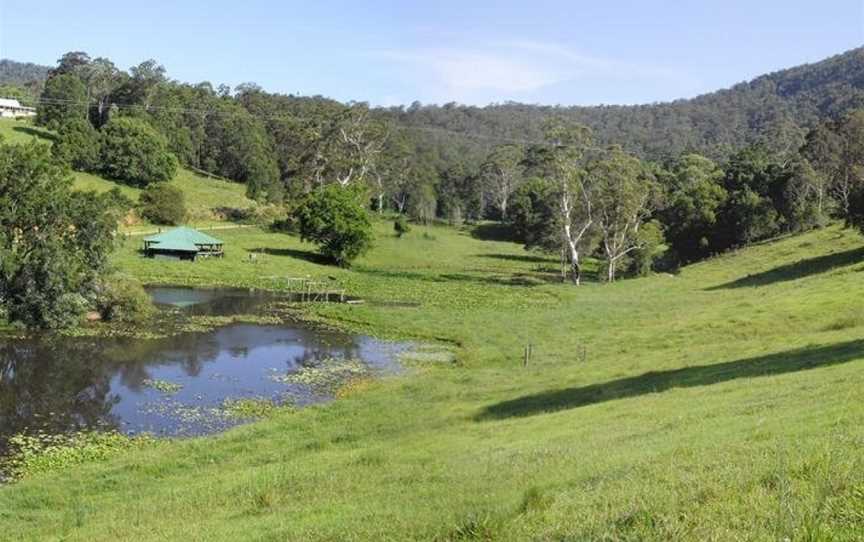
x: 719, y: 404
x: 202, y: 194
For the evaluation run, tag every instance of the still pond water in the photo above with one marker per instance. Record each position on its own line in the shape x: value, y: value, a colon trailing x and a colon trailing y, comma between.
x: 62, y: 384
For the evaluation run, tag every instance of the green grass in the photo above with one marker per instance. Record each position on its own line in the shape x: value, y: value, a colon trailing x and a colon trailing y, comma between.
x: 203, y: 194
x: 723, y: 403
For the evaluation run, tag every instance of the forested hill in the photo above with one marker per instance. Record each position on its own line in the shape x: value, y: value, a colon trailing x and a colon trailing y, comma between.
x: 774, y: 108
x: 22, y: 74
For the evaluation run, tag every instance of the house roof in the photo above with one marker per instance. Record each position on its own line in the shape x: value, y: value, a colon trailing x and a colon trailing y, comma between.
x: 8, y: 102
x: 182, y: 239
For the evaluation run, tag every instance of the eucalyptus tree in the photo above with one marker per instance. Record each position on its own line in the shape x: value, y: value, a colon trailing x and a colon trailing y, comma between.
x: 69, y: 63
x: 502, y: 173
x: 822, y: 150
x: 851, y: 175
x: 849, y: 182
x: 138, y: 86
x: 340, y: 147
x: 459, y: 194
x: 623, y: 194
x: 359, y: 141
x: 400, y: 172
x: 837, y: 152
x: 574, y: 191
x: 804, y: 201
x: 100, y: 77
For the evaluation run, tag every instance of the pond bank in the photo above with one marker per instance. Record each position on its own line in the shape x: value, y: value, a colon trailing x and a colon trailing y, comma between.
x: 195, y: 380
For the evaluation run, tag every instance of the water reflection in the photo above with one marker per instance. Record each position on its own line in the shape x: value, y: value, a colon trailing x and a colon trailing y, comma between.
x: 62, y: 384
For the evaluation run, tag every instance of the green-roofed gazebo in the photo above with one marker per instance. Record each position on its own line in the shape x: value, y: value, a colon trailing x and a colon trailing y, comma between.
x: 183, y: 244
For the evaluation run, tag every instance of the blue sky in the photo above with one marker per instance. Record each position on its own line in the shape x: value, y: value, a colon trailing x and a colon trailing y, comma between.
x: 475, y: 52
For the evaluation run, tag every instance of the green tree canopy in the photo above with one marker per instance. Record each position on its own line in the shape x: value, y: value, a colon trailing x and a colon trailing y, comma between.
x: 334, y: 218
x: 161, y: 203
x: 54, y: 242
x: 78, y: 144
x: 64, y: 98
x: 695, y: 196
x: 133, y: 152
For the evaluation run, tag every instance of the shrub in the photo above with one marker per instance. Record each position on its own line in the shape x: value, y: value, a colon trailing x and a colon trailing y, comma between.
x: 78, y: 145
x: 162, y: 204
x: 651, y: 249
x: 134, y: 152
x: 117, y: 203
x: 123, y: 299
x: 400, y: 226
x: 334, y: 219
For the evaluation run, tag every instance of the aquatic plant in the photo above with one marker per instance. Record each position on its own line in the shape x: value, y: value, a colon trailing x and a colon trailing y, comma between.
x: 33, y: 454
x: 326, y: 376
x: 249, y: 408
x: 162, y: 385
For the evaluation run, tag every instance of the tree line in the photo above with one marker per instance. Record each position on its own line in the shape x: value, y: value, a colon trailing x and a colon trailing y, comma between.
x: 566, y: 190
x: 136, y: 126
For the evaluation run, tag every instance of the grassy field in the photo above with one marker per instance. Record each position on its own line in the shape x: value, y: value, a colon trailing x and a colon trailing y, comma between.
x: 723, y: 403
x: 202, y: 194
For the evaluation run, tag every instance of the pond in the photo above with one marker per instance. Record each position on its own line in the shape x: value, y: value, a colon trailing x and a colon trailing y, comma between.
x: 177, y: 385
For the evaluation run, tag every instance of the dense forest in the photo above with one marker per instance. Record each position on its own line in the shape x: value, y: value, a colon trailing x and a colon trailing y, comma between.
x: 641, y: 187
x: 21, y: 76
x: 776, y: 108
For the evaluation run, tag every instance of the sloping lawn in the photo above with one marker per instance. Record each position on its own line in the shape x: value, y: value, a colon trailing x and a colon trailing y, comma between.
x: 723, y: 403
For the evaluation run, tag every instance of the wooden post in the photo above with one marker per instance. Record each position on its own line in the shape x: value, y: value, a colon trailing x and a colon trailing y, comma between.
x: 527, y: 354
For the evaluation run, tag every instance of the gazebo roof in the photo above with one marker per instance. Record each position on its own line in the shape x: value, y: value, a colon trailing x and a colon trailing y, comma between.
x: 182, y: 239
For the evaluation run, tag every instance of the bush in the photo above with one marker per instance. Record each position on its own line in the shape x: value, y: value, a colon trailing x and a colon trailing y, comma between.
x: 78, y: 145
x: 123, y: 299
x: 400, y: 226
x: 162, y: 204
x: 651, y: 249
x: 132, y: 151
x: 334, y: 218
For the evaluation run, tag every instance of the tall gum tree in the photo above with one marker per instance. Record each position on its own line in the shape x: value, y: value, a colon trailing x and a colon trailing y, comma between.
x: 502, y: 173
x: 623, y: 193
x: 567, y: 146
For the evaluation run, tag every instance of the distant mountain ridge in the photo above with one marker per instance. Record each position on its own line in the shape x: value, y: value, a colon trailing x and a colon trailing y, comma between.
x: 23, y: 74
x: 775, y: 108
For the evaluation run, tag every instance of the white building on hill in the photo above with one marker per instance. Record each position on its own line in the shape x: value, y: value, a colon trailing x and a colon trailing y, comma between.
x: 10, y: 108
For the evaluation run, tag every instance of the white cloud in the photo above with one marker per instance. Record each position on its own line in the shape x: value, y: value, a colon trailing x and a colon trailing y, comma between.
x: 509, y: 70
x: 475, y: 70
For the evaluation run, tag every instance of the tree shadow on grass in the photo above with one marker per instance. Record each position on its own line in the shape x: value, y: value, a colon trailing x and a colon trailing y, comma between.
x: 658, y: 381
x: 524, y: 280
x: 35, y: 132
x: 312, y: 257
x: 494, y: 231
x: 797, y: 270
x: 528, y: 258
